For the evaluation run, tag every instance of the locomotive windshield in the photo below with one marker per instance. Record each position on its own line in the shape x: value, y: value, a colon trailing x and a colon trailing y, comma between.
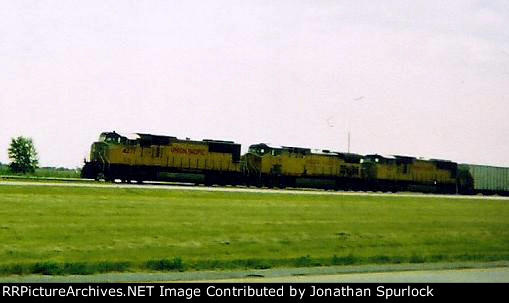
x: 112, y: 138
x: 259, y: 149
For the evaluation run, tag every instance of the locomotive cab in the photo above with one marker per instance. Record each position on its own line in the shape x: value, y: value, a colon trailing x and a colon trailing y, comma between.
x: 259, y: 149
x: 112, y: 137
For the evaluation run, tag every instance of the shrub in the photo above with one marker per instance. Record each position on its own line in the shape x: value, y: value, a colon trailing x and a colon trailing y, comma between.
x: 166, y: 265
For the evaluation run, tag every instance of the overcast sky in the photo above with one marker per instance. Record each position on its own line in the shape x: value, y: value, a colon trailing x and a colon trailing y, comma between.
x: 422, y: 78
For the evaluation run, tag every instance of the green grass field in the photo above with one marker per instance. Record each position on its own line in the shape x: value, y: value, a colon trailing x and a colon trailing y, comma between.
x: 85, y: 230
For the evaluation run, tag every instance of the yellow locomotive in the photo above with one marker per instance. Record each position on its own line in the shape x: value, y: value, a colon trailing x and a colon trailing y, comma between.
x: 151, y: 157
x: 301, y: 167
x: 402, y: 173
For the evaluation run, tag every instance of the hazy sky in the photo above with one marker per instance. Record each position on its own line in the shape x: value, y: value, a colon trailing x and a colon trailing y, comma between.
x: 422, y: 78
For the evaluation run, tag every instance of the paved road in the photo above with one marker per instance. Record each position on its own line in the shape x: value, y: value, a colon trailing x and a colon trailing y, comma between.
x: 168, y: 186
x: 489, y: 275
x: 487, y: 272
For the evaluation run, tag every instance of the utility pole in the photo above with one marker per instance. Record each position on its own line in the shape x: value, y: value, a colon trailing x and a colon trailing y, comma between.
x: 348, y: 141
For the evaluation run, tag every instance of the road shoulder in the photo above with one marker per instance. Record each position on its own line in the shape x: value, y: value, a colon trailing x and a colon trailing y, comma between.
x: 437, y: 272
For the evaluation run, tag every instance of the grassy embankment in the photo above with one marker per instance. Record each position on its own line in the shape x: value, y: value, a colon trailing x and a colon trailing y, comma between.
x: 80, y: 230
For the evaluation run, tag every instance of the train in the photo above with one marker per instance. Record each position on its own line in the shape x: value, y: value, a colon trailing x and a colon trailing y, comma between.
x: 146, y: 157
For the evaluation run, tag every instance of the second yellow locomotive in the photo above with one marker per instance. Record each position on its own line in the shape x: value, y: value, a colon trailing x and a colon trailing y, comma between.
x: 302, y: 167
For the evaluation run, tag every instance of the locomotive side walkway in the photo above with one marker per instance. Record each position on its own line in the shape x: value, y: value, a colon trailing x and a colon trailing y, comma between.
x: 175, y: 186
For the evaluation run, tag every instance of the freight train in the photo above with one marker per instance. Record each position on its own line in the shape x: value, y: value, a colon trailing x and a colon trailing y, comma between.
x: 146, y: 157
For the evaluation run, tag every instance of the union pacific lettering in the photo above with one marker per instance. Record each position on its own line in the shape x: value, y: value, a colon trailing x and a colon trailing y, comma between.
x: 187, y: 151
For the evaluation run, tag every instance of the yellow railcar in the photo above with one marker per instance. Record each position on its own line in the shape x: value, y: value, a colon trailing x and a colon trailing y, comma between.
x: 151, y: 157
x: 395, y: 173
x: 293, y: 166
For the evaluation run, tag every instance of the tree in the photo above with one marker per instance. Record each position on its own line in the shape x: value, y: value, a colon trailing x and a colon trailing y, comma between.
x: 23, y: 155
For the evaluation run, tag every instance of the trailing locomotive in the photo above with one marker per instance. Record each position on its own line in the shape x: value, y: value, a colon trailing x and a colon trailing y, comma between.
x: 302, y: 167
x: 146, y: 157
x: 402, y: 173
